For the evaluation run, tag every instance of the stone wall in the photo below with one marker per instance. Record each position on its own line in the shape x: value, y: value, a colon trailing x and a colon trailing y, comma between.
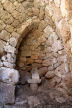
x: 43, y: 50
x: 45, y: 26
x: 61, y: 14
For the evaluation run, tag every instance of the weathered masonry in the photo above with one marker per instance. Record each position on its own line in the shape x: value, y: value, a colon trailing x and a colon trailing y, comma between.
x: 35, y: 34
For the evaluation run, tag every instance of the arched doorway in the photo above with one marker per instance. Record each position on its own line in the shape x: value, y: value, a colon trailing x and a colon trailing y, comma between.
x: 44, y: 51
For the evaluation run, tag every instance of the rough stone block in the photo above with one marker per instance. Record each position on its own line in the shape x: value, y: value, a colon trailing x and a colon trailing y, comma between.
x: 7, y: 93
x: 42, y: 71
x: 9, y: 48
x: 9, y: 75
x: 4, y: 35
x: 50, y: 74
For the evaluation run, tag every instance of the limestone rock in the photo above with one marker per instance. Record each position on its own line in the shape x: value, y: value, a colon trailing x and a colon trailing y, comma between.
x: 42, y: 13
x: 50, y: 68
x: 60, y: 70
x: 66, y: 67
x: 4, y: 58
x: 57, y: 46
x: 48, y: 30
x: 42, y: 71
x: 36, y: 3
x: 63, y: 8
x: 9, y: 75
x: 47, y: 62
x: 50, y: 74
x: 8, y: 65
x: 9, y: 28
x: 13, y: 42
x: 54, y: 60
x: 7, y: 93
x: 9, y: 48
x: 2, y: 44
x: 1, y: 63
x: 9, y: 6
x: 55, y: 81
x: 42, y: 25
x: 15, y: 35
x: 2, y: 25
x: 35, y: 11
x: 4, y: 35
x: 11, y: 58
x: 53, y: 38
x: 47, y: 26
x: 48, y: 11
x: 57, y: 3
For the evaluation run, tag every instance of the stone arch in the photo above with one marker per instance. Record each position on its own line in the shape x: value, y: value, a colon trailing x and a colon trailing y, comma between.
x: 11, y: 49
x: 25, y: 29
x: 14, y: 42
x: 46, y: 65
